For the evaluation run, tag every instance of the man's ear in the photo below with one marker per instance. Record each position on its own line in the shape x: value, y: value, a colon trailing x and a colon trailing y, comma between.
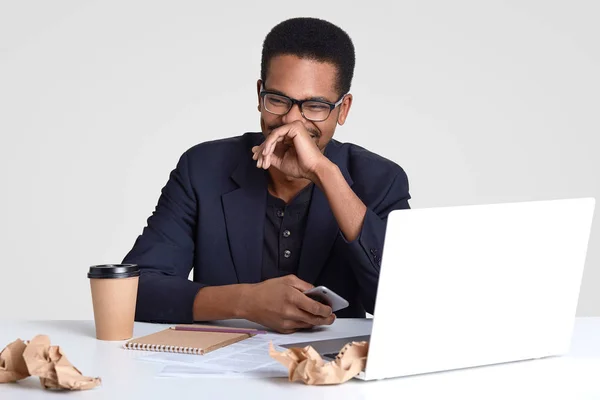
x: 258, y: 85
x: 344, y: 109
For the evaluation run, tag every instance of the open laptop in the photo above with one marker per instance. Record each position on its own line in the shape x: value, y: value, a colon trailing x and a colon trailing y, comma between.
x: 467, y: 286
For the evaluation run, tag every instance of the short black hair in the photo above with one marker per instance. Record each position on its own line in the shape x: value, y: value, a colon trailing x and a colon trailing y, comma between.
x: 313, y: 39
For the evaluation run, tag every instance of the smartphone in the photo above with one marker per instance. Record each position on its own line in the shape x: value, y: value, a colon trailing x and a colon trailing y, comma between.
x: 327, y: 297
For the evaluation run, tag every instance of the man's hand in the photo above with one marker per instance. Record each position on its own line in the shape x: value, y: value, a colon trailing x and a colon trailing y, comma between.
x: 292, y: 150
x: 279, y: 304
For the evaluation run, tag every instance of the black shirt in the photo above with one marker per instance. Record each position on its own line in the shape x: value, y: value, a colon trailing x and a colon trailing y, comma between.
x: 284, y: 231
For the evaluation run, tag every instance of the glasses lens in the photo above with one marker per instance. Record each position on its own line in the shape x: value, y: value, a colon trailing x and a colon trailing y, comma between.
x: 277, y: 104
x: 315, y: 110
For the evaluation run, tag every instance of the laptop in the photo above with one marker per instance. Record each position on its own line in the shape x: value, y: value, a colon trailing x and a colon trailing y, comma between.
x: 476, y: 285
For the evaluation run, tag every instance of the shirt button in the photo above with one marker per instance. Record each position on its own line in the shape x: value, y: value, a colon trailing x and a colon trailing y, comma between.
x: 286, y: 233
x: 279, y: 213
x: 287, y: 254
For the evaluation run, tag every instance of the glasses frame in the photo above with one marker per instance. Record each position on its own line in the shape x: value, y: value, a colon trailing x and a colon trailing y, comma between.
x: 332, y: 106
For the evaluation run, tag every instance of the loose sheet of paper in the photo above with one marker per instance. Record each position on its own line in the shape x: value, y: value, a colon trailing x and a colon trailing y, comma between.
x: 275, y: 370
x: 248, y: 358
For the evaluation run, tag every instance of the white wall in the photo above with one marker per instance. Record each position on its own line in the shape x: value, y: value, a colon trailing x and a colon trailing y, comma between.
x: 479, y: 102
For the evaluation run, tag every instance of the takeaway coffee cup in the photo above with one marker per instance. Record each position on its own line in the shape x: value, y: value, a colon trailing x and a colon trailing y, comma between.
x: 114, y: 294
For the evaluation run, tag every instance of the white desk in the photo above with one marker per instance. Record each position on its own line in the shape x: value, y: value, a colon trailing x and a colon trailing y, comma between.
x: 576, y: 375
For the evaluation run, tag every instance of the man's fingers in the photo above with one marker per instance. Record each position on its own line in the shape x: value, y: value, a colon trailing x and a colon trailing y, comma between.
x: 285, y: 132
x: 270, y: 144
x: 263, y: 160
x: 312, y: 307
x: 311, y: 319
x: 279, y: 135
x: 256, y: 150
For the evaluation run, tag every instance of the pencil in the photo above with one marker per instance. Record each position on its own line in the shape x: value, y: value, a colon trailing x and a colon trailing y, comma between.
x: 218, y: 330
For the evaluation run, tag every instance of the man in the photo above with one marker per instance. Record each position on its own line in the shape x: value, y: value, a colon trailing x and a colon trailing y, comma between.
x: 262, y: 217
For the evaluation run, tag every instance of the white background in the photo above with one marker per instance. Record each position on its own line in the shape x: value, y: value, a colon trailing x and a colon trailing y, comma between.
x: 480, y: 102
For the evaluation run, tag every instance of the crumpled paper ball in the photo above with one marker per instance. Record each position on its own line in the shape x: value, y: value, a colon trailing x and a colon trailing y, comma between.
x: 38, y: 358
x: 306, y: 365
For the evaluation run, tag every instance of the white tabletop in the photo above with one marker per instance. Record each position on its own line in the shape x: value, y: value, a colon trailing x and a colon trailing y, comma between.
x: 576, y: 375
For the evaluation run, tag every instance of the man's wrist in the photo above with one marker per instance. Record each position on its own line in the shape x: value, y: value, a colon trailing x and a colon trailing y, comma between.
x: 242, y: 306
x: 322, y: 170
x: 221, y: 302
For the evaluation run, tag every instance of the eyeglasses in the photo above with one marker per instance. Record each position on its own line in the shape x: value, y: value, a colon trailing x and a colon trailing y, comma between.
x: 312, y: 110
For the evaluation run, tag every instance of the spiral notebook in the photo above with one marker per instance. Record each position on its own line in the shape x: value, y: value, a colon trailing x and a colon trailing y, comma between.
x: 189, y: 341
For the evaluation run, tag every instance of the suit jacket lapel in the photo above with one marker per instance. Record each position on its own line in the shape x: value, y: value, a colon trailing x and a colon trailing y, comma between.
x: 245, y: 210
x: 321, y: 228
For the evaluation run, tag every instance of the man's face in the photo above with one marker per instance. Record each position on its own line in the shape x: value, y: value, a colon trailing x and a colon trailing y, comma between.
x: 303, y: 79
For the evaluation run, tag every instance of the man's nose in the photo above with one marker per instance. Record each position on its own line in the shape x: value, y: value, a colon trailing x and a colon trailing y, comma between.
x: 295, y: 114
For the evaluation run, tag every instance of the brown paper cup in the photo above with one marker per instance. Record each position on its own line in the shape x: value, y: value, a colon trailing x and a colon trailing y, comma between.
x: 114, y: 293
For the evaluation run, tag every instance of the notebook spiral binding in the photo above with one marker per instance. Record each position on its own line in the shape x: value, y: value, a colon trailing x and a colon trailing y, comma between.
x: 165, y: 348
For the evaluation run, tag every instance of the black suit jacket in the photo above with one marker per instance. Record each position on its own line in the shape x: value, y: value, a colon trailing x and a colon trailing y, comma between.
x: 211, y: 214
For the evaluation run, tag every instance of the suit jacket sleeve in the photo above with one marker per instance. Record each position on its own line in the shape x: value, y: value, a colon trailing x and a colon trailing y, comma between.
x: 364, y: 253
x: 165, y: 251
